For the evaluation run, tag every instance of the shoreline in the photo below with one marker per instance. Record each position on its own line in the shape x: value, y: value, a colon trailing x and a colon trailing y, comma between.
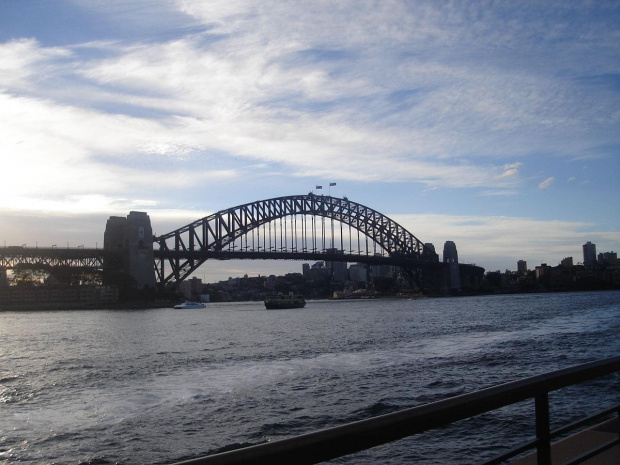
x: 146, y: 305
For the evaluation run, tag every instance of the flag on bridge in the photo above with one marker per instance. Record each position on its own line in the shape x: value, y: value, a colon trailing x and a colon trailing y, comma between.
x: 319, y: 187
x: 332, y: 184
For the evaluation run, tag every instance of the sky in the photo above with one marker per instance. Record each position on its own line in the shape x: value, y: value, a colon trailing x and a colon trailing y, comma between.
x: 493, y: 124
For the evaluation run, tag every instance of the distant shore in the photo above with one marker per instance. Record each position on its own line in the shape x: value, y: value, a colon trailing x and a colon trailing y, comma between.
x: 59, y: 306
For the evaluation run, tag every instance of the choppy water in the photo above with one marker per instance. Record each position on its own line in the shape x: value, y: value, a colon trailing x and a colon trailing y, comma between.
x: 162, y: 385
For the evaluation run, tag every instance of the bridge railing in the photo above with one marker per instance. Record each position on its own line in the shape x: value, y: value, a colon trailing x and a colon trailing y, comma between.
x: 354, y: 437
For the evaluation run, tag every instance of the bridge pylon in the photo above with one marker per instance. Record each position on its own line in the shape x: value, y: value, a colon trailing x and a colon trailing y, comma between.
x: 133, y: 236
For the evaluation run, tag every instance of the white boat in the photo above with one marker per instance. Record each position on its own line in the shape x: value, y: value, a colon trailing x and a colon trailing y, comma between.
x: 190, y: 304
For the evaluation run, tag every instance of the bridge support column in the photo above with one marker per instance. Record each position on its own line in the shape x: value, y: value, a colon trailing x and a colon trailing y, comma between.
x: 134, y: 236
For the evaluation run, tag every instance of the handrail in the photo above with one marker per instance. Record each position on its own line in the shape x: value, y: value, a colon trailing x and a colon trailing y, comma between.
x: 354, y: 437
x: 556, y: 432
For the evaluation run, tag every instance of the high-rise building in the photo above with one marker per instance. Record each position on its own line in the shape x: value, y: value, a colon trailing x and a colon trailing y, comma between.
x: 607, y: 257
x: 338, y: 268
x: 191, y: 288
x: 589, y: 254
x: 522, y: 266
x: 318, y: 272
x: 377, y: 271
x: 358, y: 272
x: 451, y: 260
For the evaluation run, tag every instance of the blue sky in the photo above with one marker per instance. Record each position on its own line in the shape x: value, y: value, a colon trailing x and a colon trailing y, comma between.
x: 492, y: 124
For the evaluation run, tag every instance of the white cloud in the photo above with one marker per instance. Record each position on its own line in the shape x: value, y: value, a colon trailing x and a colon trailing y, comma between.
x: 62, y: 150
x: 510, y: 171
x: 443, y: 95
x: 546, y: 183
x: 23, y: 63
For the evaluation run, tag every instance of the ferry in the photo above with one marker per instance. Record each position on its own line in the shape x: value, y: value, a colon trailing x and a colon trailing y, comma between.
x: 282, y: 301
x: 190, y: 304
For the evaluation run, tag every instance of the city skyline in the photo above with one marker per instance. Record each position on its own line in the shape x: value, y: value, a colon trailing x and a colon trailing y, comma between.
x: 495, y: 126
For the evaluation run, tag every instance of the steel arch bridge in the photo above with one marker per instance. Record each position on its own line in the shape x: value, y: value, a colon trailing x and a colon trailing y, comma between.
x: 293, y: 227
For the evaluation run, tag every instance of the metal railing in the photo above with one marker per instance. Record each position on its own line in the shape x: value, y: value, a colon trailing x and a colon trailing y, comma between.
x: 354, y: 437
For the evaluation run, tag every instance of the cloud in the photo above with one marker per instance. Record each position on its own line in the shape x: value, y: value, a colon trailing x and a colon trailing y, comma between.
x: 24, y: 63
x: 546, y: 183
x: 510, y: 171
x: 445, y: 96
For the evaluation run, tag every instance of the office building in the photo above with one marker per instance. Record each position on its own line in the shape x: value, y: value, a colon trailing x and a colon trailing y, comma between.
x: 358, y: 272
x: 567, y: 262
x: 589, y: 254
x: 338, y: 268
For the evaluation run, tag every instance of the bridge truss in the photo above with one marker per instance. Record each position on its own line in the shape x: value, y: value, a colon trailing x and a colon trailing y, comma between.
x: 49, y: 258
x: 293, y: 227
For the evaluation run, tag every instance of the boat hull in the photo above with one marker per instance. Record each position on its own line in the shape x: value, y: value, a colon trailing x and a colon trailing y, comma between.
x: 282, y: 302
x: 190, y: 305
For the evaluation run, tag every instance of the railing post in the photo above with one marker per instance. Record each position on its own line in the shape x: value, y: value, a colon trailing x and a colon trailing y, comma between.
x: 543, y: 435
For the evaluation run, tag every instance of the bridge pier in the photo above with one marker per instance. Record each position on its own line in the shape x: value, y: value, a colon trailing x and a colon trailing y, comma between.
x: 134, y: 236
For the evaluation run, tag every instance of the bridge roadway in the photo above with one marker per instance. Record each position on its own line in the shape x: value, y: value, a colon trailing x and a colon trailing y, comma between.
x: 49, y: 257
x: 290, y: 255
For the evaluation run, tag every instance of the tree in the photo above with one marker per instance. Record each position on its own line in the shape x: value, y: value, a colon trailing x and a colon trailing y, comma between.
x: 27, y: 276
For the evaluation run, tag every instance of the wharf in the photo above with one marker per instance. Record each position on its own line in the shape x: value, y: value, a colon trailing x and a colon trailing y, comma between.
x: 568, y: 449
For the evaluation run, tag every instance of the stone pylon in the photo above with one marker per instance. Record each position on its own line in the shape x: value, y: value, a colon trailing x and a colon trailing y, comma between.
x: 134, y: 236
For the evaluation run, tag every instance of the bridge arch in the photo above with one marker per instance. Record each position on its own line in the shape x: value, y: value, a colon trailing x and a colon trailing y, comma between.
x: 216, y: 235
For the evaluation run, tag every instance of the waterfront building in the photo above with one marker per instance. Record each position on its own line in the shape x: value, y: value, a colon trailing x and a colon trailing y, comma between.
x: 542, y: 270
x: 589, y: 254
x: 377, y: 271
x: 358, y: 272
x: 271, y: 281
x: 338, y: 269
x: 318, y: 272
x: 191, y: 287
x: 387, y: 271
x: 567, y: 262
x: 522, y: 266
x: 608, y: 258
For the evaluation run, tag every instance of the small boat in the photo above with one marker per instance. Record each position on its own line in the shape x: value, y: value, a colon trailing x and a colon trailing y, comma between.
x: 190, y: 304
x: 282, y: 301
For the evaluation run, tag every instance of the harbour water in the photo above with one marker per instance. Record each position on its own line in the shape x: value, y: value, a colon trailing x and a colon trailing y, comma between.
x: 163, y: 385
